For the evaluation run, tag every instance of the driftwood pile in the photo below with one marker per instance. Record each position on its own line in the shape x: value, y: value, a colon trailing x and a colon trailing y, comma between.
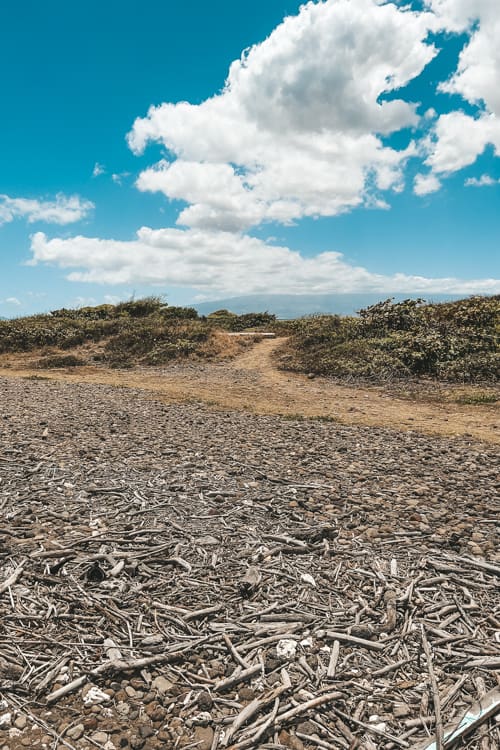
x: 174, y: 577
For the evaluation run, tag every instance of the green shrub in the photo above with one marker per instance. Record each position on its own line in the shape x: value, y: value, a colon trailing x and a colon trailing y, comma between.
x: 455, y: 341
x: 64, y: 360
x: 229, y: 321
x: 155, y: 341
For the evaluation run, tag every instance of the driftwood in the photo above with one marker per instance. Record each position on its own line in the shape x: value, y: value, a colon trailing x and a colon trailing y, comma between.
x: 477, y: 714
x: 250, y: 581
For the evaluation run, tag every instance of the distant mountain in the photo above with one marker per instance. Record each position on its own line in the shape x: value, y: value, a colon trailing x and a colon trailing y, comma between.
x: 297, y: 305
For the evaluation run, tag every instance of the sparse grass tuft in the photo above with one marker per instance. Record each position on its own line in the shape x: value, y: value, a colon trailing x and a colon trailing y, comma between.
x: 477, y: 398
x: 64, y: 360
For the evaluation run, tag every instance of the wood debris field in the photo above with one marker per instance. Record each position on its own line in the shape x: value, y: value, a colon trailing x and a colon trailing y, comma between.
x: 177, y: 577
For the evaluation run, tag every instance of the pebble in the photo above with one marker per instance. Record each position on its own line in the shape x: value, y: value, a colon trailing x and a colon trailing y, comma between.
x: 122, y: 708
x: 203, y: 737
x: 400, y: 710
x: 290, y: 740
x: 90, y: 723
x: 245, y: 694
x: 76, y: 732
x: 162, y: 685
x: 21, y: 722
x: 100, y: 737
x: 136, y: 743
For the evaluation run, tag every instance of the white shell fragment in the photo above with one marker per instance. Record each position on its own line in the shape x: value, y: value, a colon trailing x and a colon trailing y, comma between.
x: 5, y: 720
x: 286, y: 648
x: 307, y: 578
x: 95, y: 695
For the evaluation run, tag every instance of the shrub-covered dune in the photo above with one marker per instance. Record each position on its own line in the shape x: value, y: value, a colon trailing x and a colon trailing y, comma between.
x: 453, y: 341
x: 144, y: 331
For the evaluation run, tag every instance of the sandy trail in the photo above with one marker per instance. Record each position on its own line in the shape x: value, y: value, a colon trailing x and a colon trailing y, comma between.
x: 252, y: 382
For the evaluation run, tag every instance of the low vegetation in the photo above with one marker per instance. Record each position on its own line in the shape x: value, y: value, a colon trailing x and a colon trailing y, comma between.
x: 145, y: 331
x: 453, y: 341
x: 449, y: 342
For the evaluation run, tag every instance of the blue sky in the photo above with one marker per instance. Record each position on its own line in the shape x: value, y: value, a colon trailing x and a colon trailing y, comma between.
x: 345, y: 153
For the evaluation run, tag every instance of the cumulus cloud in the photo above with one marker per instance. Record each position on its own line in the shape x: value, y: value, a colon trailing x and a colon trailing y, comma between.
x: 484, y: 180
x: 62, y: 210
x: 297, y: 130
x: 11, y: 301
x: 223, y: 263
x: 425, y: 184
x: 459, y: 138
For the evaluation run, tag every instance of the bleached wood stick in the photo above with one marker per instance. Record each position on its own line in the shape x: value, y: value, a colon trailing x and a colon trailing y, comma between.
x: 13, y: 577
x: 334, y: 657
x: 343, y: 637
x: 435, y: 692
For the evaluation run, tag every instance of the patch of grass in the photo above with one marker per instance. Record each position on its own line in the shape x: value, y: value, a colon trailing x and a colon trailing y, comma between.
x: 324, y: 418
x: 62, y: 360
x: 477, y: 398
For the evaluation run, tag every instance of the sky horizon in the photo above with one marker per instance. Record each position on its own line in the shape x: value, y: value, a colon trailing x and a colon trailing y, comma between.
x: 205, y: 152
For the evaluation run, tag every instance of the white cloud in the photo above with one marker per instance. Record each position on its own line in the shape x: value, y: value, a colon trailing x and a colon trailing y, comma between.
x: 296, y: 130
x: 484, y: 180
x: 425, y: 184
x: 83, y: 302
x: 98, y: 169
x: 223, y: 263
x: 62, y: 210
x: 458, y: 139
x: 118, y: 177
x: 11, y: 301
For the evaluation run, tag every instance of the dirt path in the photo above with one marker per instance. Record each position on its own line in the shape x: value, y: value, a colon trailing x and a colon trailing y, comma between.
x: 252, y: 382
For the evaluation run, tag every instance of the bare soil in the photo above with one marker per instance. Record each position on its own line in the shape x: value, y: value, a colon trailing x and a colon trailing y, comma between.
x: 252, y: 382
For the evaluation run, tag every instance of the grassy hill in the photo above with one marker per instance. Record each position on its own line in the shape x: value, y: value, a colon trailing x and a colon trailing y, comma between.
x: 454, y: 341
x: 145, y: 331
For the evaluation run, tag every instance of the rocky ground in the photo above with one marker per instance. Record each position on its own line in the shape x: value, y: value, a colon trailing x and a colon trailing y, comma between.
x: 253, y: 382
x: 177, y: 577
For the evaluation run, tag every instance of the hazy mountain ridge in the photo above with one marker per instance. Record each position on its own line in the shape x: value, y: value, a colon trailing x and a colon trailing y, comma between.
x: 289, y: 306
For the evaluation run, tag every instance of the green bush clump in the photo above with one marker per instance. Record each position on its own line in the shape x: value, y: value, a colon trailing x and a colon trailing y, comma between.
x: 234, y: 323
x: 153, y: 341
x: 453, y: 341
x: 179, y: 313
x: 66, y: 328
x: 26, y: 334
x: 65, y: 360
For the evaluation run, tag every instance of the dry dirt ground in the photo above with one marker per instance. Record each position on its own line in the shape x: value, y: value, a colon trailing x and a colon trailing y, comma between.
x: 176, y: 576
x: 252, y: 382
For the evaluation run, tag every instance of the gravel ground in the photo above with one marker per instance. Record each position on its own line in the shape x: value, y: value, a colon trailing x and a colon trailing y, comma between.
x: 124, y: 519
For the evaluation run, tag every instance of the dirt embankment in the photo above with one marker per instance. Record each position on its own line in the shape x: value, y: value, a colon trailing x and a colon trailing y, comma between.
x: 253, y: 382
